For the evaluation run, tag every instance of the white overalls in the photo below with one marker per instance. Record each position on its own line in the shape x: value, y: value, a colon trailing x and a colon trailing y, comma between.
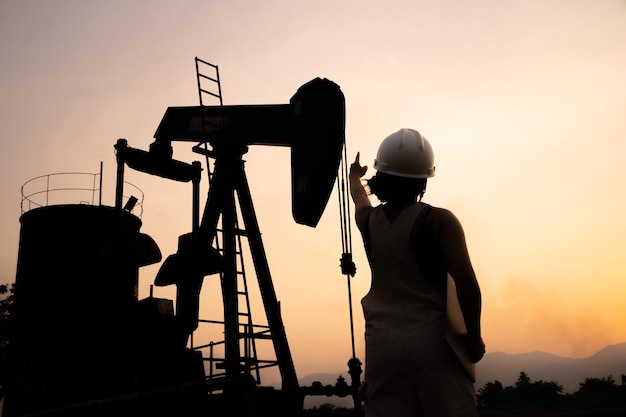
x: 409, y: 369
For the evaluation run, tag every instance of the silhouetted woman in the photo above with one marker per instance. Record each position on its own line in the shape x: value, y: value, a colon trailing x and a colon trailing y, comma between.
x: 410, y: 370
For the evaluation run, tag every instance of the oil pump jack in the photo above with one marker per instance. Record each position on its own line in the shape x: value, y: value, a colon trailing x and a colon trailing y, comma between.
x: 312, y: 126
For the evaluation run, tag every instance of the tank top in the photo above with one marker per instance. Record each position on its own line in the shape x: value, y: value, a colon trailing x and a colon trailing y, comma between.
x: 400, y: 294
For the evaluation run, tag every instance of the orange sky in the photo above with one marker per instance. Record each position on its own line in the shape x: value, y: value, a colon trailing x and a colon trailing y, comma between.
x: 522, y: 101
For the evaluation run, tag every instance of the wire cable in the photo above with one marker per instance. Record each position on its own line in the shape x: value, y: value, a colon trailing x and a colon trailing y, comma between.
x: 347, y: 265
x: 348, y: 268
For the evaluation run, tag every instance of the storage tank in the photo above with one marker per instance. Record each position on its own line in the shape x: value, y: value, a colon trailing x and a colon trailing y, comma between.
x: 75, y: 301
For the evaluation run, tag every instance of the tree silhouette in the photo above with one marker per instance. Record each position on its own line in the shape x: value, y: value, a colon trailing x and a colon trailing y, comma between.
x: 491, y: 395
x: 6, y: 307
x: 524, y: 392
x: 523, y: 381
x: 594, y: 391
x: 523, y: 389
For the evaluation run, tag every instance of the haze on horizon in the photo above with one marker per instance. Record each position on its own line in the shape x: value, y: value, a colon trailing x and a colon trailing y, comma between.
x: 522, y: 101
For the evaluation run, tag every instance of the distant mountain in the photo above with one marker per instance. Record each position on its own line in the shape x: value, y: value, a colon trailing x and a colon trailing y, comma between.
x: 503, y: 367
x: 568, y: 372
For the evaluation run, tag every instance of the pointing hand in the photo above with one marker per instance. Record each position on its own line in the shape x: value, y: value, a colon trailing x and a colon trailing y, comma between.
x: 356, y: 170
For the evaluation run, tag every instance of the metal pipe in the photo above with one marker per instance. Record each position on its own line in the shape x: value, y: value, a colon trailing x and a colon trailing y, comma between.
x: 120, y: 148
x: 100, y: 191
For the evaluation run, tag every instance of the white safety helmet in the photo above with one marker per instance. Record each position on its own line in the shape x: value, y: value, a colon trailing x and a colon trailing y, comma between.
x: 405, y: 153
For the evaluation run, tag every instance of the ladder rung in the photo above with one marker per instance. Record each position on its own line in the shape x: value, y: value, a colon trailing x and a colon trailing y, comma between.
x: 238, y: 231
x: 208, y: 78
x: 206, y: 63
x: 258, y: 335
x: 261, y: 336
x: 203, y: 151
x: 209, y: 93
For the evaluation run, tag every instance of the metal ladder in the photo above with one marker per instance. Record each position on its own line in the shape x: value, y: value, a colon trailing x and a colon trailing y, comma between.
x: 248, y: 332
x: 204, y: 79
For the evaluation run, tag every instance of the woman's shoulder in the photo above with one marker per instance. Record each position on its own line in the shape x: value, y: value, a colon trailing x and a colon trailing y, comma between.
x: 437, y: 211
x: 439, y: 217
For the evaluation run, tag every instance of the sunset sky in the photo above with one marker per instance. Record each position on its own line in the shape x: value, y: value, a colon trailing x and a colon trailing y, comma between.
x: 523, y: 102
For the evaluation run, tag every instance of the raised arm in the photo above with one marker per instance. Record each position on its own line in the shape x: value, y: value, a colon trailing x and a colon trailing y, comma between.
x: 362, y: 203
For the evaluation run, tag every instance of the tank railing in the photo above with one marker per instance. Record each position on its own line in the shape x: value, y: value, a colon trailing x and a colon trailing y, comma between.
x: 72, y: 188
